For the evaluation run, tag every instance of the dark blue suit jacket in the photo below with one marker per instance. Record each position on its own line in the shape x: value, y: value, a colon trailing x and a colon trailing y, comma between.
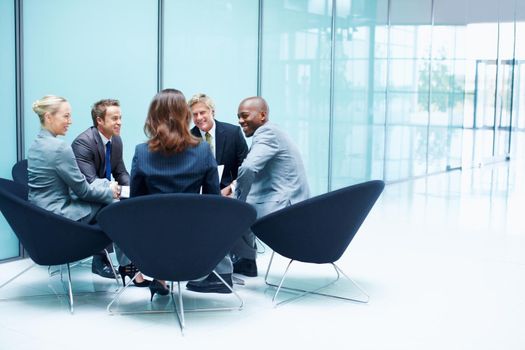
x: 230, y: 149
x: 185, y: 172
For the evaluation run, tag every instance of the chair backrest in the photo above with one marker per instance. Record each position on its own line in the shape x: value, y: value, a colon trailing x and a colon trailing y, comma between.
x: 176, y: 237
x: 319, y: 229
x: 48, y: 238
x: 19, y: 172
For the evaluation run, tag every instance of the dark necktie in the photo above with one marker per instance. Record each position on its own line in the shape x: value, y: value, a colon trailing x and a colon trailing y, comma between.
x: 108, y: 160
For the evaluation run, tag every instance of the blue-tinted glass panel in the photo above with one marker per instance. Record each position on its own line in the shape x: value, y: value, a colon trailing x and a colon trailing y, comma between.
x: 481, y: 46
x: 9, y: 247
x: 408, y: 88
x: 518, y: 116
x: 406, y: 147
x: 296, y: 78
x: 359, y: 92
x: 447, y: 98
x: 505, y: 78
x: 212, y: 51
x: 89, y: 50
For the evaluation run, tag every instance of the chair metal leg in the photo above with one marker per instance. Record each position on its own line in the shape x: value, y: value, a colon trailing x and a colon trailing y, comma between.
x: 366, y: 300
x: 83, y: 262
x: 72, y: 265
x: 281, y: 282
x: 231, y: 290
x: 181, y: 310
x: 67, y: 290
x: 112, y: 267
x: 304, y: 292
x: 117, y: 297
x: 70, y: 289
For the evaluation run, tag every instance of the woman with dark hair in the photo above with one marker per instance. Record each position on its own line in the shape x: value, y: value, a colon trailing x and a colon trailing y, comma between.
x: 172, y: 160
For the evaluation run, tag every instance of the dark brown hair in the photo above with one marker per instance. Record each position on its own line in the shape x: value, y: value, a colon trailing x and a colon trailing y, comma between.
x: 168, y: 123
x: 98, y: 110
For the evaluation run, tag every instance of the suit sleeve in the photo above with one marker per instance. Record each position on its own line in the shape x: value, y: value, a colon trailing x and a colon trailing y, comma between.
x: 119, y: 171
x: 241, y: 147
x: 85, y: 158
x: 137, y: 180
x: 211, y: 178
x: 68, y: 171
x: 264, y: 148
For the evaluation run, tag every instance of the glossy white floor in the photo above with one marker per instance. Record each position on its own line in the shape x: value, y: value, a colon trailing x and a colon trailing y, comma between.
x: 443, y: 259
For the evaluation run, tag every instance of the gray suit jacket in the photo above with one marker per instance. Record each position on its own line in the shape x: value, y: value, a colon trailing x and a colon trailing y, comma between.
x: 90, y: 153
x: 55, y: 182
x: 272, y: 176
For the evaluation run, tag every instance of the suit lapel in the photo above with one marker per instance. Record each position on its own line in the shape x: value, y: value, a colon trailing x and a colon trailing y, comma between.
x: 219, y: 142
x: 196, y: 132
x: 101, y: 153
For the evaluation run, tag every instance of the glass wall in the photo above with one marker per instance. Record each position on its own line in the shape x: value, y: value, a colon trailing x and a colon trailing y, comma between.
x: 296, y: 61
x: 482, y: 58
x: 447, y: 86
x: 408, y: 87
x: 360, y: 68
x: 506, y: 40
x: 217, y: 56
x: 9, y: 246
x: 86, y: 51
x: 389, y: 89
x: 518, y: 105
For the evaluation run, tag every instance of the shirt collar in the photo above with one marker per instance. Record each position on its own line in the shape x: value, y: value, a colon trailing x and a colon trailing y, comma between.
x: 104, y: 138
x: 211, y: 132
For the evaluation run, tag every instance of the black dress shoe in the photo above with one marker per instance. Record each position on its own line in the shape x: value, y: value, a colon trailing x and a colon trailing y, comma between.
x: 101, y: 267
x: 211, y: 284
x: 246, y: 267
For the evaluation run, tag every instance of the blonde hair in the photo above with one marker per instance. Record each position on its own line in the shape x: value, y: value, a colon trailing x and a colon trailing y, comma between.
x: 203, y: 98
x: 47, y: 104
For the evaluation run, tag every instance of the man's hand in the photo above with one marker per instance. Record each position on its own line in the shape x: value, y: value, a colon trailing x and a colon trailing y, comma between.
x: 115, y: 188
x: 227, y: 191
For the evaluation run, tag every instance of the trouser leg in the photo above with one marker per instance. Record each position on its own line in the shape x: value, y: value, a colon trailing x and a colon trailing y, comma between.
x: 224, y: 266
x: 245, y: 247
x: 121, y: 257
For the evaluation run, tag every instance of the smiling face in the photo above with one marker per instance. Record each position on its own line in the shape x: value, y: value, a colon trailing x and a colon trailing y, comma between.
x: 111, y: 123
x: 202, y: 116
x: 251, y: 117
x: 58, y: 123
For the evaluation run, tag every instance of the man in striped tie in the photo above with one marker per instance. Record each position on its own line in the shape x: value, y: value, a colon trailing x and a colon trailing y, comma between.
x: 229, y: 148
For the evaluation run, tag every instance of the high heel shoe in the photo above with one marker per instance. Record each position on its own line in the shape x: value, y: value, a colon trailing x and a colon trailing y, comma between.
x: 130, y: 271
x: 157, y: 287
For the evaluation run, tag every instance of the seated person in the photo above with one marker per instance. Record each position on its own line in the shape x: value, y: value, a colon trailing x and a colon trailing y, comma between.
x: 98, y: 151
x: 172, y: 160
x: 54, y: 179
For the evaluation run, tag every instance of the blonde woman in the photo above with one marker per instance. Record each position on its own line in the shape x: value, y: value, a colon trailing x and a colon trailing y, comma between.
x: 54, y: 179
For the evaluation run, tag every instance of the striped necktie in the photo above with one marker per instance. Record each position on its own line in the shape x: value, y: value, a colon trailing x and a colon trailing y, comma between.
x: 208, y: 137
